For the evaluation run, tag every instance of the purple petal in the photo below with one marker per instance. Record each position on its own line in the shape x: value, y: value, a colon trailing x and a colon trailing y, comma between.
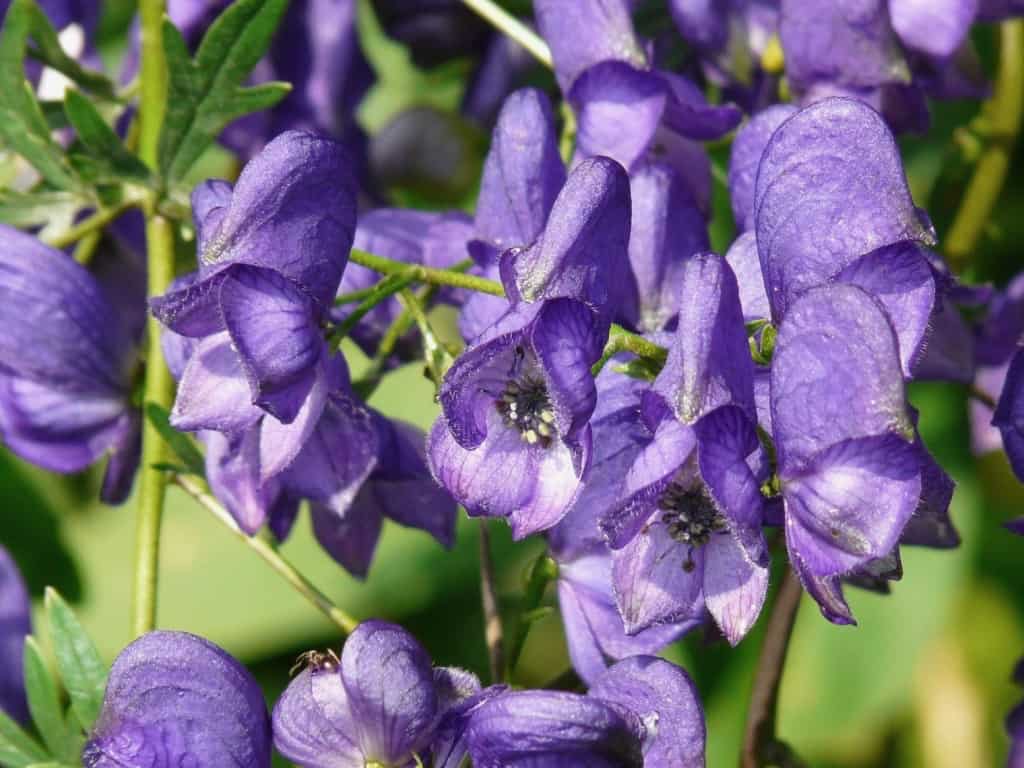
x: 15, y: 624
x: 522, y: 174
x: 213, y: 393
x: 618, y: 109
x: 747, y: 148
x: 657, y: 580
x: 849, y: 505
x: 745, y: 263
x: 233, y: 470
x: 827, y: 592
x: 191, y: 305
x: 835, y: 375
x: 949, y: 351
x: 667, y: 228
x: 313, y: 726
x: 184, y: 698
x: 210, y: 202
x: 280, y: 443
x: 1009, y: 414
x: 125, y: 456
x: 274, y: 330
x: 583, y: 252
x: 734, y: 587
x: 703, y: 23
x: 551, y: 729
x: 849, y: 42
x: 659, y: 692
x: 709, y: 361
x: 390, y: 686
x: 350, y: 537
x: 459, y: 696
x: 900, y: 278
x: 931, y: 526
x: 689, y: 114
x: 651, y: 472
x: 934, y: 27
x: 583, y: 34
x: 292, y: 211
x: 830, y: 189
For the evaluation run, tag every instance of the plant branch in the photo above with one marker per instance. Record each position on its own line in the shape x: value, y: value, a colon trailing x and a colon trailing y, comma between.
x: 505, y: 22
x: 760, y: 745
x: 90, y: 225
x: 158, y: 389
x: 452, y: 277
x: 263, y: 547
x: 543, y: 572
x: 1003, y: 114
x: 493, y: 634
x: 152, y: 80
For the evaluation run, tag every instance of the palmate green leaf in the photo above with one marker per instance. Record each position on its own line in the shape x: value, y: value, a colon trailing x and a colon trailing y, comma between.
x: 81, y: 669
x: 17, y: 748
x: 206, y: 94
x: 113, y: 161
x: 44, y: 702
x: 22, y: 124
x: 179, y: 442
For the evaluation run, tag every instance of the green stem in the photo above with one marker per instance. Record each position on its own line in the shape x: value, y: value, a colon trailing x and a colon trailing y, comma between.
x: 263, y: 547
x: 158, y: 389
x: 543, y: 572
x: 493, y: 631
x: 620, y: 340
x: 502, y: 20
x: 423, y: 274
x: 1003, y: 113
x: 386, y: 288
x: 88, y: 226
x: 153, y: 80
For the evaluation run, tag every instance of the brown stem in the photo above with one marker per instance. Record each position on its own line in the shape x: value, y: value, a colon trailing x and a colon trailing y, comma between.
x: 493, y: 634
x: 759, y: 741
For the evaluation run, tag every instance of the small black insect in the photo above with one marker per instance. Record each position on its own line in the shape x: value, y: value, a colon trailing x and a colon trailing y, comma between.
x: 318, y: 661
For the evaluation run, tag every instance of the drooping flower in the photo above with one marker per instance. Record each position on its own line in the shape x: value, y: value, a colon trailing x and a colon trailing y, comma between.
x: 68, y: 362
x: 594, y: 630
x: 517, y: 402
x: 174, y: 699
x: 271, y: 253
x: 686, y: 531
x: 15, y: 624
x: 643, y: 711
x: 381, y: 703
x: 848, y: 464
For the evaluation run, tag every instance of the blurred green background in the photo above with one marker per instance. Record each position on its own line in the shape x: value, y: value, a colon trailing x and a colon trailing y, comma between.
x: 922, y: 681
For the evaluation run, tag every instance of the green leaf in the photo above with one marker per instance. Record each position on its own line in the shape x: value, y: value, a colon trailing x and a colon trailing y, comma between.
x: 81, y: 669
x: 32, y: 209
x: 23, y: 125
x: 103, y: 145
x: 44, y: 701
x: 179, y: 442
x: 17, y: 748
x: 48, y: 50
x: 204, y: 95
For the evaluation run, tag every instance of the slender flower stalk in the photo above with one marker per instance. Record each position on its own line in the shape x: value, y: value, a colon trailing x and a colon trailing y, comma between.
x: 760, y: 746
x: 91, y: 225
x: 511, y: 26
x: 493, y: 633
x: 542, y: 573
x: 427, y: 274
x: 159, y: 386
x: 1004, y: 112
x: 266, y: 550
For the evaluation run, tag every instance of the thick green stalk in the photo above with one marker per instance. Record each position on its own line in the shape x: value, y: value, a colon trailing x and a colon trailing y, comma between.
x: 159, y: 389
x: 153, y: 80
x: 514, y: 28
x: 264, y: 547
x: 1003, y: 114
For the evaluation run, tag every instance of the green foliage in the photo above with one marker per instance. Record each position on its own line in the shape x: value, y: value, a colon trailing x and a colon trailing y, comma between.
x: 205, y: 94
x: 105, y: 152
x: 82, y: 671
x: 182, y: 445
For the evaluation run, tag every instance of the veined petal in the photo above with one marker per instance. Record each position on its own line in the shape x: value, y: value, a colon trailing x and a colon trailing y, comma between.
x: 934, y: 27
x: 315, y: 730
x: 350, y: 535
x: 745, y: 157
x: 830, y: 189
x: 391, y: 694
x: 1009, y: 414
x: 850, y: 503
x: 213, y: 393
x: 734, y: 587
x: 745, y: 263
x: 233, y: 470
x: 689, y: 114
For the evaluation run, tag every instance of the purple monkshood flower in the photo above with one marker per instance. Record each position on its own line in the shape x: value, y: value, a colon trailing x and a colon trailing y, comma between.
x: 623, y: 106
x: 517, y: 402
x: 849, y: 466
x: 68, y: 361
x: 271, y: 253
x: 686, y: 529
x: 831, y: 204
x: 174, y: 699
x: 15, y: 625
x: 594, y: 630
x: 643, y: 711
x: 381, y: 703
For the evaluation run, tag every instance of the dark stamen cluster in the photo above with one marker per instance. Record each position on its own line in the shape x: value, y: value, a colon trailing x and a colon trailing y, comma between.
x: 691, y: 517
x: 524, y: 404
